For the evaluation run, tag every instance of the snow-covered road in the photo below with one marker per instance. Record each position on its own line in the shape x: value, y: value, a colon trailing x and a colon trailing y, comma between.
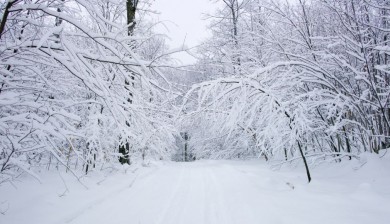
x: 187, y: 193
x: 218, y: 192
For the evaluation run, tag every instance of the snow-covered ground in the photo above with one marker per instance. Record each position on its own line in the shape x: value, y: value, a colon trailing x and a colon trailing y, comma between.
x: 220, y: 192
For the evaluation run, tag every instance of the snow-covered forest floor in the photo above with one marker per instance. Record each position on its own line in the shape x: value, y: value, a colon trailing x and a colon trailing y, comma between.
x: 206, y: 192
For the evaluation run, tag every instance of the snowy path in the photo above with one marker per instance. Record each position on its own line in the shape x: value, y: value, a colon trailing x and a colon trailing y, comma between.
x: 222, y: 193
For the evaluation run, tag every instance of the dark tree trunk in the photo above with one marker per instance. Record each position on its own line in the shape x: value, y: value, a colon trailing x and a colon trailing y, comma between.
x: 185, y: 147
x: 131, y: 8
x: 305, y: 162
x: 5, y: 16
x: 124, y: 150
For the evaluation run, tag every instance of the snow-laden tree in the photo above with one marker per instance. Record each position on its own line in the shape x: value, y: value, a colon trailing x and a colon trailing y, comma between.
x: 317, y: 88
x: 237, y: 45
x: 66, y: 96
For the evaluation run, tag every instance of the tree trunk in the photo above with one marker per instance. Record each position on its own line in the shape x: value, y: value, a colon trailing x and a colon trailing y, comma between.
x: 305, y: 162
x: 131, y: 7
x: 5, y: 16
x: 185, y: 147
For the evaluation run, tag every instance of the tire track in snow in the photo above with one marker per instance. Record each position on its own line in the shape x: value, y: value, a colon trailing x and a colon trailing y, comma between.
x: 109, y: 196
x: 173, y: 197
x: 188, y: 202
x: 220, y: 211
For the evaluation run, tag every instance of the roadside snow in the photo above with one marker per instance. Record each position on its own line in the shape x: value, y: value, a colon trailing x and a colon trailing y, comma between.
x: 220, y: 192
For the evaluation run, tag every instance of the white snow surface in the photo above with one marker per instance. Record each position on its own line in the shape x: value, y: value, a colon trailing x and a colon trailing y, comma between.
x: 201, y: 192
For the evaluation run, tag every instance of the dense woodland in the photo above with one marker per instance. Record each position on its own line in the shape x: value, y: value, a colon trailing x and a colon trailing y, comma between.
x: 89, y: 84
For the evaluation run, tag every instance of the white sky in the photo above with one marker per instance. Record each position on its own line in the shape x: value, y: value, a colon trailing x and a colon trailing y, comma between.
x: 184, y: 21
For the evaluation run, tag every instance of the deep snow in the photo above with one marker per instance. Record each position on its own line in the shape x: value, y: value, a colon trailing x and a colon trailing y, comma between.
x: 223, y: 192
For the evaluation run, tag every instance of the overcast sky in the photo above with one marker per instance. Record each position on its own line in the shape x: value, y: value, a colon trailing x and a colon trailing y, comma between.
x: 185, y: 22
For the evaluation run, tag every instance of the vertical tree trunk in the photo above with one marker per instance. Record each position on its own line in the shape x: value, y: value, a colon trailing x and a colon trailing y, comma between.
x: 58, y: 23
x: 5, y: 17
x: 131, y: 8
x: 234, y: 7
x: 185, y: 147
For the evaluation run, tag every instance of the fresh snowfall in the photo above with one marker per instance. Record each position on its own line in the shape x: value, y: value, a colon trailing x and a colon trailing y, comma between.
x: 282, y: 115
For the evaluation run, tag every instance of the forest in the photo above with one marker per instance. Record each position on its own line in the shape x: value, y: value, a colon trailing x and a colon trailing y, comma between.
x: 88, y: 86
